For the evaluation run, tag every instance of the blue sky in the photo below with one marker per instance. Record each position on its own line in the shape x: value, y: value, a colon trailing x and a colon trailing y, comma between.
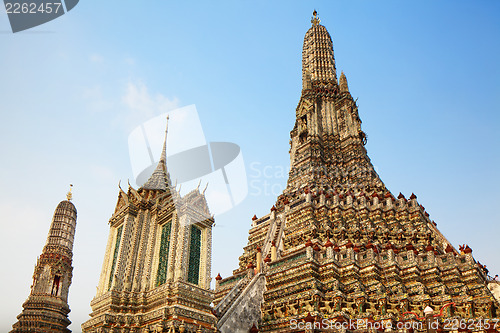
x: 426, y: 74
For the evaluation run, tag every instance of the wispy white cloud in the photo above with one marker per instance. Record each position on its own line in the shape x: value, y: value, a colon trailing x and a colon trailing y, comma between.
x: 129, y: 61
x: 142, y: 105
x: 127, y: 107
x: 96, y: 58
x: 96, y: 99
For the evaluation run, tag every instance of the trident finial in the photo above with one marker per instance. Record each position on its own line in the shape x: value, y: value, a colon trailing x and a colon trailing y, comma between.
x: 69, y: 195
x: 315, y: 19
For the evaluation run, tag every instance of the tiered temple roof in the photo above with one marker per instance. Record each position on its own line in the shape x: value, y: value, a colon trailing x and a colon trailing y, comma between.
x: 160, y: 179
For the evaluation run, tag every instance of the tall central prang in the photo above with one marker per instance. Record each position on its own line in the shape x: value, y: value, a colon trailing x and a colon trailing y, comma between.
x: 327, y: 143
x: 338, y: 245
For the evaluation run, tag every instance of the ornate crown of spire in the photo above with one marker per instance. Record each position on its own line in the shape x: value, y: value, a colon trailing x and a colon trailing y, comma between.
x: 69, y: 195
x: 315, y: 19
x: 318, y: 61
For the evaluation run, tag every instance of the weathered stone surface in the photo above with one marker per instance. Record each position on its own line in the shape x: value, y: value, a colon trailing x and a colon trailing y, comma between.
x: 495, y: 289
x: 245, y: 311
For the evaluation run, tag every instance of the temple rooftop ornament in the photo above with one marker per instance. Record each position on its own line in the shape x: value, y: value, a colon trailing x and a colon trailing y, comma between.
x: 69, y: 195
x: 315, y: 19
x: 344, y: 88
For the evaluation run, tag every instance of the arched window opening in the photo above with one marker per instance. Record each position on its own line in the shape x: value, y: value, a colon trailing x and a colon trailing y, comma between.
x: 56, y: 285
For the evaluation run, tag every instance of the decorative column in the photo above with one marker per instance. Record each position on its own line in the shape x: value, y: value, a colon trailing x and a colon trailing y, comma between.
x: 274, y: 254
x: 259, y: 260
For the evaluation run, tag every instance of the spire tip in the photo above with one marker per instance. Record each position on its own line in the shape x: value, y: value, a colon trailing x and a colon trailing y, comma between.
x: 163, y: 157
x: 69, y: 195
x: 315, y: 19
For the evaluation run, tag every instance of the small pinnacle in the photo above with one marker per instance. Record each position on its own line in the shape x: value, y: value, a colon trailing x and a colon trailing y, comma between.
x: 163, y: 157
x: 315, y: 19
x: 69, y: 195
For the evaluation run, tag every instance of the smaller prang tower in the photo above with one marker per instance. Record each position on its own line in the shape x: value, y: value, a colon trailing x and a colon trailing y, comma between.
x: 46, y: 309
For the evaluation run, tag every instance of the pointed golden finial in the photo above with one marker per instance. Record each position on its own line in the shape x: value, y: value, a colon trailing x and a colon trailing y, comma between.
x: 69, y: 195
x: 163, y: 156
x: 315, y: 19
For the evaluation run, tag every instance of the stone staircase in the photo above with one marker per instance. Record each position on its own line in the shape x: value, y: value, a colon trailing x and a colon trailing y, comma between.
x: 240, y: 308
x: 494, y: 287
x: 221, y: 309
x: 238, y: 312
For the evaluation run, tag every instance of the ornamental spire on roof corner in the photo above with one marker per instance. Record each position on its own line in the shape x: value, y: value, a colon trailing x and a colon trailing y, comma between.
x: 344, y: 87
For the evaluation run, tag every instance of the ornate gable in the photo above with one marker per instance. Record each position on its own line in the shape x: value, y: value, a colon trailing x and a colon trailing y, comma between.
x: 122, y: 201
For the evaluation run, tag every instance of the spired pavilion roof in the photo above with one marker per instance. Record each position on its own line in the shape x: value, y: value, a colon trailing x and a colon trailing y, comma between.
x: 160, y: 178
x: 160, y: 181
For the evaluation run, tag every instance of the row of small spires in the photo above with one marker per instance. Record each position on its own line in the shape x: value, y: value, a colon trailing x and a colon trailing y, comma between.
x: 343, y: 86
x: 362, y: 194
x: 389, y: 246
x: 182, y: 327
x: 306, y: 190
x: 464, y: 249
